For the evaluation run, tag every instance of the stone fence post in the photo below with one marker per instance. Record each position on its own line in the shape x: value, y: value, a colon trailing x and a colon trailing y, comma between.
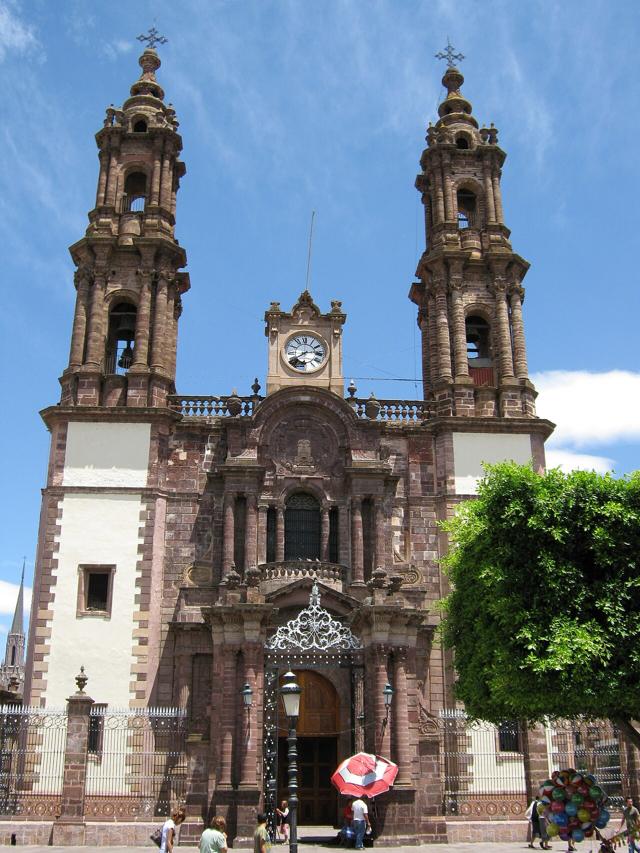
x: 69, y: 828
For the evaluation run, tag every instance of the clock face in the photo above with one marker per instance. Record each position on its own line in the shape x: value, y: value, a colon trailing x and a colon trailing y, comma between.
x: 304, y: 353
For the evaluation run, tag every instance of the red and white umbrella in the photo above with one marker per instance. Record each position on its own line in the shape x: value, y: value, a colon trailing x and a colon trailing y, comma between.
x: 365, y: 775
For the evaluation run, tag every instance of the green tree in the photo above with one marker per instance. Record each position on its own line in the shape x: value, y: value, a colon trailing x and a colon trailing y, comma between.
x: 544, y: 612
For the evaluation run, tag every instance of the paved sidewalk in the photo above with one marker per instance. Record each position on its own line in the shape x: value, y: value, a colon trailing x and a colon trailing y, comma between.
x: 478, y: 847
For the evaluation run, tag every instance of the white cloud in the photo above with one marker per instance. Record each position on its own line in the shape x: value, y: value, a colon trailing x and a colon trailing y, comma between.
x: 116, y: 48
x: 9, y: 596
x: 590, y: 408
x: 567, y: 461
x: 15, y: 35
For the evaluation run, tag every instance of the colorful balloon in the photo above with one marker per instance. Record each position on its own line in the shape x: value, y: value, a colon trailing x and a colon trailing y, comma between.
x: 577, y: 835
x: 571, y: 809
x: 576, y: 779
x: 578, y: 799
x: 583, y: 789
x: 557, y: 806
x: 583, y: 814
x: 553, y: 829
x: 558, y: 793
x: 560, y: 819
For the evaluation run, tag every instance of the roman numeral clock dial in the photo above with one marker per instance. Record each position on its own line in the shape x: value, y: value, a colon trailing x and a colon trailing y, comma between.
x: 305, y: 353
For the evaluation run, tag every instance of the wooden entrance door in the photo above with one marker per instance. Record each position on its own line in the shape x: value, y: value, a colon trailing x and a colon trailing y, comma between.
x: 317, y: 751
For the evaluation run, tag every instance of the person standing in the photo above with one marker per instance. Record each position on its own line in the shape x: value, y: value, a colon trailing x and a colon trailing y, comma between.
x: 169, y: 830
x: 283, y: 820
x: 538, y: 828
x: 631, y: 817
x: 261, y: 840
x: 214, y: 839
x: 360, y: 821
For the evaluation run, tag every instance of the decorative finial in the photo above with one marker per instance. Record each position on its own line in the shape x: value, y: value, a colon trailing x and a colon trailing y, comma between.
x: 81, y: 680
x: 153, y: 38
x: 450, y: 55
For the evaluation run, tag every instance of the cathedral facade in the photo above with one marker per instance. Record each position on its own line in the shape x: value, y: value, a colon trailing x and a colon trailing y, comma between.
x: 187, y: 544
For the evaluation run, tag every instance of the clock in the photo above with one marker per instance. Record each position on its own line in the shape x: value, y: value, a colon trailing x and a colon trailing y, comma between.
x: 305, y: 353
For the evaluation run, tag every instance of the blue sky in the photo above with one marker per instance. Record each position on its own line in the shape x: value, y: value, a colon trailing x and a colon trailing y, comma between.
x: 288, y: 106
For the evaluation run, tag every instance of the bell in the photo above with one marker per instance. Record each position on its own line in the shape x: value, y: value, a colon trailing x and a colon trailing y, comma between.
x: 126, y: 359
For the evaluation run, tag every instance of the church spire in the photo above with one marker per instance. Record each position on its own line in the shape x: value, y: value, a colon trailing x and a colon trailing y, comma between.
x: 17, y: 626
x: 129, y: 281
x: 470, y: 294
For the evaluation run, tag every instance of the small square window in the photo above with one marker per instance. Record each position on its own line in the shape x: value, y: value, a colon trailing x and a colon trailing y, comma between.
x: 509, y: 736
x: 95, y: 590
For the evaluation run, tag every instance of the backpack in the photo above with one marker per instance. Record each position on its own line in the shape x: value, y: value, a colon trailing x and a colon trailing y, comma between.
x: 156, y: 836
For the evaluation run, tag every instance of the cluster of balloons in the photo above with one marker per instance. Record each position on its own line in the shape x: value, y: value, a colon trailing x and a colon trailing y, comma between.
x: 573, y: 805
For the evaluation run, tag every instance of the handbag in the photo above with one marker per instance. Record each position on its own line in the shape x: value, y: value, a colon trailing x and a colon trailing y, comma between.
x: 156, y: 836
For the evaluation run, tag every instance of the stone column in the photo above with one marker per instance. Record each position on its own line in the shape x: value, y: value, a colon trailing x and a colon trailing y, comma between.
x: 357, y: 545
x: 228, y: 716
x: 459, y: 329
x: 497, y: 197
x: 167, y: 179
x: 344, y: 540
x: 69, y: 827
x: 383, y: 735
x: 279, y: 534
x: 381, y: 537
x: 442, y: 328
x: 159, y: 321
x: 95, y: 334
x: 433, y: 338
x: 449, y: 204
x: 488, y: 192
x: 400, y: 718
x: 324, y: 534
x: 76, y: 356
x: 157, y: 169
x: 536, y: 760
x: 250, y: 533
x: 102, y: 178
x: 174, y: 309
x: 504, y: 333
x: 228, y: 532
x: 110, y: 196
x: 262, y: 534
x: 437, y: 180
x: 249, y: 746
x: 143, y: 321
x: 516, y: 296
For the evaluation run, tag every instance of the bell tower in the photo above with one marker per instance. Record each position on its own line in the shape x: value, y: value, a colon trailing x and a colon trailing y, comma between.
x: 470, y: 293
x: 128, y: 279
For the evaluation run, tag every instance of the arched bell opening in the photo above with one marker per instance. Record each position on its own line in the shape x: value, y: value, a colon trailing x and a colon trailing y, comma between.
x: 120, y: 338
x: 134, y: 198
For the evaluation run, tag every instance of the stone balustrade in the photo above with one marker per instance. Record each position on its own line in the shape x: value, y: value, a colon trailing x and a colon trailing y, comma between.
x: 277, y: 575
x: 208, y: 406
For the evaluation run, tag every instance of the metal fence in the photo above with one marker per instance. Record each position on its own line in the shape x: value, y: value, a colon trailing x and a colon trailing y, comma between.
x: 483, y: 765
x: 136, y: 764
x: 32, y: 742
x: 136, y: 761
x: 482, y: 768
x: 594, y: 747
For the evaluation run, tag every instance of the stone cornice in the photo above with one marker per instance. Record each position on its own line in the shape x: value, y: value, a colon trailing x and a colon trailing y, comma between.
x: 120, y: 414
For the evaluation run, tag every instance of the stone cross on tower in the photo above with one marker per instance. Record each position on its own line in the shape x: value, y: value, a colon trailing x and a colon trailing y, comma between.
x: 152, y: 38
x: 449, y: 55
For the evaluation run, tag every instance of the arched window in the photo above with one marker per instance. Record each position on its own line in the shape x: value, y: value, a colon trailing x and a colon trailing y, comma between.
x: 462, y: 142
x: 13, y: 655
x: 467, y: 209
x: 477, y: 330
x: 120, y: 338
x: 140, y: 126
x: 135, y: 193
x: 302, y: 528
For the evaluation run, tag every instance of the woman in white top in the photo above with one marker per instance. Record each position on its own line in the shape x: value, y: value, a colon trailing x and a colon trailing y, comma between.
x: 169, y: 830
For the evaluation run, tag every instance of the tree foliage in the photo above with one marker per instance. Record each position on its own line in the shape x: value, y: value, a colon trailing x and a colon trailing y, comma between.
x: 544, y: 613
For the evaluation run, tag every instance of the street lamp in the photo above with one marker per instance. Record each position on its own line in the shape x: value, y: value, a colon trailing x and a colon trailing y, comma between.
x: 247, y: 696
x: 290, y: 692
x: 387, y: 695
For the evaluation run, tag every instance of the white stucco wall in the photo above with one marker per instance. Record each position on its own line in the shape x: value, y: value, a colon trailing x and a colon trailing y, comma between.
x: 472, y: 449
x: 101, y: 529
x: 112, y: 454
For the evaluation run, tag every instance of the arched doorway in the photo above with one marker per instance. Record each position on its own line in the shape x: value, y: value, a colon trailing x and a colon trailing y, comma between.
x: 317, y: 730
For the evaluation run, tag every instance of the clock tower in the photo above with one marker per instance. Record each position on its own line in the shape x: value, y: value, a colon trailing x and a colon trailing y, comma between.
x: 305, y: 346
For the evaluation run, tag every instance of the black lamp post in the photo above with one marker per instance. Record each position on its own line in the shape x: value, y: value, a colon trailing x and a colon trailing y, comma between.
x: 290, y: 692
x: 247, y: 696
x: 387, y: 695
